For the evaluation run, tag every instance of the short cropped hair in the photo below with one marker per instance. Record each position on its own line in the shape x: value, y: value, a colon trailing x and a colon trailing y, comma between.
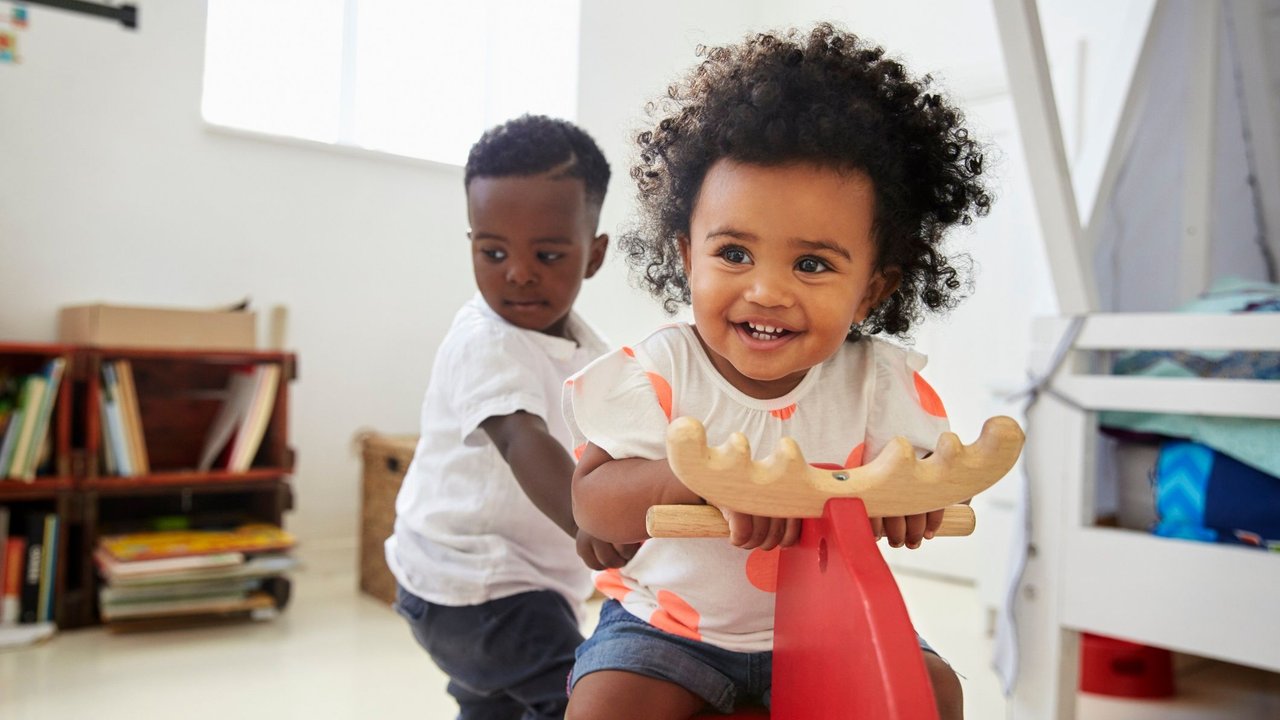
x: 534, y: 144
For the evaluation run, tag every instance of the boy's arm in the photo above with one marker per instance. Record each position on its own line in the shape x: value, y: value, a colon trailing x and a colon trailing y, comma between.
x: 539, y: 463
x: 611, y: 497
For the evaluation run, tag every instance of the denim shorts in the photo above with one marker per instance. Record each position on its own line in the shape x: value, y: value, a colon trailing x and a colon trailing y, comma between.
x: 723, y: 678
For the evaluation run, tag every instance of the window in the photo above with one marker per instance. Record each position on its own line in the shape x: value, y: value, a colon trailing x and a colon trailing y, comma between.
x: 414, y: 78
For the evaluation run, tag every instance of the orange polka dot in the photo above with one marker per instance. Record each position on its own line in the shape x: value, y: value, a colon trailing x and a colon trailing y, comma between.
x: 855, y: 456
x: 628, y: 351
x: 929, y: 399
x: 784, y: 413
x: 577, y: 452
x: 675, y: 616
x: 663, y: 390
x: 610, y: 584
x: 762, y: 569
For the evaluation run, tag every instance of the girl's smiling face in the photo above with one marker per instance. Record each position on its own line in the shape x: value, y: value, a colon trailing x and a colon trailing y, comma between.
x: 781, y: 261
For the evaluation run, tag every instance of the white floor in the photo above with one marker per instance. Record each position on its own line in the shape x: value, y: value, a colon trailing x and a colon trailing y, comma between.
x: 336, y: 653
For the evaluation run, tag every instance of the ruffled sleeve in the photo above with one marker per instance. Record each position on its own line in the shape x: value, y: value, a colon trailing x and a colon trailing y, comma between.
x: 904, y: 404
x: 619, y: 406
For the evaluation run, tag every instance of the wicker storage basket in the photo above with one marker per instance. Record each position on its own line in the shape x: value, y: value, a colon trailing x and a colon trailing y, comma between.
x: 386, y: 458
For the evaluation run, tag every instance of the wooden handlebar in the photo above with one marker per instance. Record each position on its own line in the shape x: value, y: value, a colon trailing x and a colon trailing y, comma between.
x: 705, y: 521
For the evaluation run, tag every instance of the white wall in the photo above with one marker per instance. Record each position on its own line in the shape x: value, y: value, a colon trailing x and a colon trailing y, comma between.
x: 113, y: 189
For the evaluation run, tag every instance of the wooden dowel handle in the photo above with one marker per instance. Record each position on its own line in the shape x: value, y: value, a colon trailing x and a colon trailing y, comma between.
x: 704, y: 521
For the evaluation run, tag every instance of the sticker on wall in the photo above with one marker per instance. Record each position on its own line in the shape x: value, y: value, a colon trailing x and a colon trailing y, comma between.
x: 19, y: 17
x: 8, y: 47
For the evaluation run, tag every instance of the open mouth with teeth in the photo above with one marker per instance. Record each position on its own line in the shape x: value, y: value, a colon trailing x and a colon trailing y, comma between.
x: 764, y: 332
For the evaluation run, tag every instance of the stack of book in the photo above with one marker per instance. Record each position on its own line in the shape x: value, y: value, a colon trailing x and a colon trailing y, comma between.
x: 28, y: 566
x: 26, y: 406
x: 190, y: 575
x: 124, y: 447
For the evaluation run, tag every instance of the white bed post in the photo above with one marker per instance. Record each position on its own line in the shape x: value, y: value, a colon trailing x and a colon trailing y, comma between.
x: 1060, y: 489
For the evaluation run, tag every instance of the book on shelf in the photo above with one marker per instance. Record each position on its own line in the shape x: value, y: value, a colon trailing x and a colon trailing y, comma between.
x: 121, y: 575
x: 216, y: 605
x: 114, y: 430
x: 113, y: 569
x: 48, y: 570
x: 33, y: 565
x: 15, y: 555
x: 131, y: 413
x: 26, y: 420
x: 33, y: 391
x: 52, y: 377
x: 248, y: 538
x: 237, y: 430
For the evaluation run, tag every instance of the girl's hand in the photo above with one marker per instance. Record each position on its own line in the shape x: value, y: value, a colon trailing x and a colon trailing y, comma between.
x: 600, y: 555
x: 909, y: 530
x: 756, y: 531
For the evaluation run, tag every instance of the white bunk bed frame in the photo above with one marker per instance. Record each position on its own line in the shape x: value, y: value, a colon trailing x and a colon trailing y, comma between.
x: 1211, y: 600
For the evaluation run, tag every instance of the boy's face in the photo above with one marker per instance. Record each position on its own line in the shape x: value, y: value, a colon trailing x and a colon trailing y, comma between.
x: 532, y: 245
x: 781, y: 261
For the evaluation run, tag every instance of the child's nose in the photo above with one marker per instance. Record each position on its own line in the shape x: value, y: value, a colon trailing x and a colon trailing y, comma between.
x: 519, y: 273
x: 769, y: 290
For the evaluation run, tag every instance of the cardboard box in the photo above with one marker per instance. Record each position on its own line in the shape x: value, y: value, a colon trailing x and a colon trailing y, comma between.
x: 118, y: 326
x: 386, y: 458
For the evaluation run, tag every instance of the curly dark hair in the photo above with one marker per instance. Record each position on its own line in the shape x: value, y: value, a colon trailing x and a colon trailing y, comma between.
x: 533, y: 144
x: 825, y: 98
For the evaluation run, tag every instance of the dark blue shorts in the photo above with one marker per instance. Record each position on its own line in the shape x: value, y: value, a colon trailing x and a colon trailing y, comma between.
x: 506, y: 659
x: 723, y: 678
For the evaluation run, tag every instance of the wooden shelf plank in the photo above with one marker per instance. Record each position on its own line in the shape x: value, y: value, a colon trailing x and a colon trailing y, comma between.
x: 42, y: 489
x: 186, y: 478
x: 1149, y: 589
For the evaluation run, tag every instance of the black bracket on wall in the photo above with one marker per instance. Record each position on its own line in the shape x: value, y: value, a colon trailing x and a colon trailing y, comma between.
x: 126, y: 14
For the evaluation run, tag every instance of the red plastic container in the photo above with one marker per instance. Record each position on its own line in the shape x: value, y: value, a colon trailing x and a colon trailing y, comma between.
x: 1124, y: 669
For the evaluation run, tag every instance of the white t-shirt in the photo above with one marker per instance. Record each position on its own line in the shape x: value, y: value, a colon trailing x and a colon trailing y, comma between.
x: 465, y: 532
x: 843, y: 411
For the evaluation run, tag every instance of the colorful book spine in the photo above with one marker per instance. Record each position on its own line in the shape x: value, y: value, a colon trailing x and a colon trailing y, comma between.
x: 53, y: 378
x: 33, y: 390
x: 48, y: 570
x: 15, y: 556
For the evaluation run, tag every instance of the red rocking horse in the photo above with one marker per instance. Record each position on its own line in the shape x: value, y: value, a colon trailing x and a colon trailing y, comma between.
x: 842, y: 637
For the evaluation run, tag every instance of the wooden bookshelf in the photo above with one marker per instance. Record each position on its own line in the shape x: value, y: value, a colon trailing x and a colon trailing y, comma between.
x: 179, y: 393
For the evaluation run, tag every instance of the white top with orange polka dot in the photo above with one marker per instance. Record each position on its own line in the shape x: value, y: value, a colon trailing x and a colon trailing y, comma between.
x: 843, y: 410
x: 465, y: 531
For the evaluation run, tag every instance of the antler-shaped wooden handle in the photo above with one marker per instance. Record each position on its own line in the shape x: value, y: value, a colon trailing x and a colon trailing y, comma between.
x: 896, y: 483
x: 704, y: 521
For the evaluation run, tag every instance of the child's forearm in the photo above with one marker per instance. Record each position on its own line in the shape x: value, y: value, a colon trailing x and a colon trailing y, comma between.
x: 611, y: 497
x: 539, y: 463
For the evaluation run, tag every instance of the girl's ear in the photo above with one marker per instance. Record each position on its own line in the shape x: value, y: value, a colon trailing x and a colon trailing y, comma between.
x: 682, y: 241
x: 595, y: 258
x: 883, y: 283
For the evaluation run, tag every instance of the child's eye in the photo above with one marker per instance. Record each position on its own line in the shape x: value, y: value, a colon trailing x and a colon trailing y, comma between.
x: 550, y: 256
x: 812, y: 265
x: 494, y: 254
x: 734, y: 255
